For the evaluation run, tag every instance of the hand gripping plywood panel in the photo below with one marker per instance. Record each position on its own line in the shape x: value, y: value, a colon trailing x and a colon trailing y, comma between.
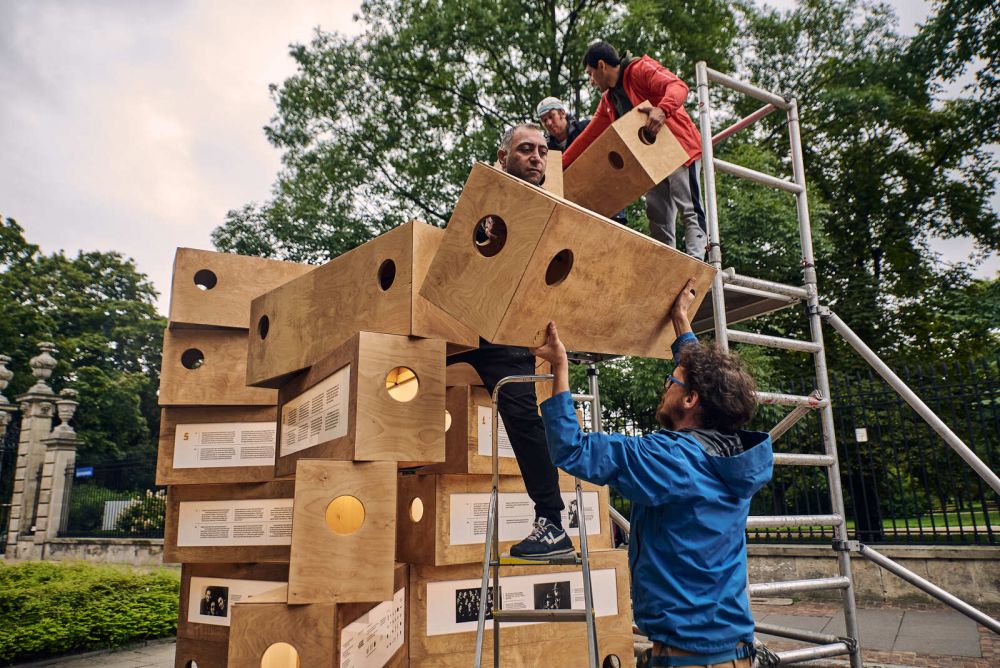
x: 207, y: 367
x: 336, y: 635
x: 378, y: 397
x: 191, y: 653
x: 344, y: 537
x: 209, y: 592
x: 229, y: 523
x: 374, y: 287
x: 608, y: 287
x: 441, y: 519
x: 468, y: 439
x: 215, y: 289
x: 444, y: 609
x: 216, y: 444
x: 621, y: 165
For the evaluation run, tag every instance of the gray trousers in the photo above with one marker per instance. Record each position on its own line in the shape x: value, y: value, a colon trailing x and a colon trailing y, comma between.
x: 678, y: 193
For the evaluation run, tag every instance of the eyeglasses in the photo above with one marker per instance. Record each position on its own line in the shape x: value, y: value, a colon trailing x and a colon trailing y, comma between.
x: 673, y: 381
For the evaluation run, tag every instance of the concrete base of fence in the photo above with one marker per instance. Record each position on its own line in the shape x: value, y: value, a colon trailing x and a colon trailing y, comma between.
x: 970, y: 573
x: 135, y: 551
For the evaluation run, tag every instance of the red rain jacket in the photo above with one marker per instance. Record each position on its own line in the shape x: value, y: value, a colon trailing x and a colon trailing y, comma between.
x: 644, y: 79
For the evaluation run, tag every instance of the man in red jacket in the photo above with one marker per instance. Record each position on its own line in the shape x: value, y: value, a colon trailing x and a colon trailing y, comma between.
x: 627, y: 82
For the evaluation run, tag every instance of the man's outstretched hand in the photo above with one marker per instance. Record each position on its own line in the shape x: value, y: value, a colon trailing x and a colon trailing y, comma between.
x: 682, y: 304
x: 554, y: 352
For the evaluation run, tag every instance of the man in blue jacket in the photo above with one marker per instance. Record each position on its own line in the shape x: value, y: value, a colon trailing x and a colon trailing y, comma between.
x: 690, y: 485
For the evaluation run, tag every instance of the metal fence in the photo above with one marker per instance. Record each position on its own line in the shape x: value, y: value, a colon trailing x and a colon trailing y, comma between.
x: 8, y: 467
x: 902, y: 483
x: 115, y: 500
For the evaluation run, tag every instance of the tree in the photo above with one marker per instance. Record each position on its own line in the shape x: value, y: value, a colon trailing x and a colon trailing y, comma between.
x: 99, y: 311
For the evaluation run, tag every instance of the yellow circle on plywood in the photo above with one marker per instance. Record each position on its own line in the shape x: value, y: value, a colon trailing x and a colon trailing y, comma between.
x: 345, y: 515
x: 447, y: 420
x: 280, y: 655
x: 416, y: 509
x: 402, y: 383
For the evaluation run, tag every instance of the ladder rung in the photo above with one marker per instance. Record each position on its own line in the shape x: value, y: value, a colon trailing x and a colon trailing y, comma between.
x: 568, y: 560
x: 809, y: 653
x: 540, y: 615
x: 769, y: 521
x: 794, y: 586
x: 757, y: 177
x: 583, y: 397
x: 773, y: 341
x: 804, y: 635
x: 778, y: 399
x: 731, y: 277
x: 790, y: 459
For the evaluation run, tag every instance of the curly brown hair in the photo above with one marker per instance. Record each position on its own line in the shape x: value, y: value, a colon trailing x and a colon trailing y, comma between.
x: 725, y: 389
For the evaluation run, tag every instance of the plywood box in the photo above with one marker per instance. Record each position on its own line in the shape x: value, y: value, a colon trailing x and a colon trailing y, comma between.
x: 200, y: 653
x: 622, y: 164
x: 202, y: 615
x: 553, y: 179
x: 216, y: 444
x: 322, y: 634
x: 441, y: 519
x: 344, y: 535
x: 609, y: 288
x: 215, y: 289
x: 207, y: 367
x: 374, y: 287
x: 468, y: 439
x: 444, y: 611
x: 378, y: 397
x: 229, y: 523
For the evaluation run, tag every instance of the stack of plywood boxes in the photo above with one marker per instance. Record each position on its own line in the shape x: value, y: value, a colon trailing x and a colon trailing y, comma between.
x: 329, y: 473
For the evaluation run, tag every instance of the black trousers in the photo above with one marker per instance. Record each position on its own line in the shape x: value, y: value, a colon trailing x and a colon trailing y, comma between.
x: 518, y: 407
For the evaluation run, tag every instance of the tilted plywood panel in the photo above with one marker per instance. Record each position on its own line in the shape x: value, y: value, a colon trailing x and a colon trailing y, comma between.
x: 374, y: 287
x: 441, y: 519
x: 207, y: 367
x: 216, y: 444
x: 344, y: 537
x: 608, y: 288
x: 473, y: 278
x: 378, y: 397
x: 202, y: 615
x: 622, y: 164
x: 444, y: 610
x: 553, y: 181
x: 468, y: 440
x: 215, y: 289
x: 191, y: 653
x: 229, y: 523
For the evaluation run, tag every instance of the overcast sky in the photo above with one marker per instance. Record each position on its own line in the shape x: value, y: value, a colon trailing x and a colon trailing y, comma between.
x: 135, y: 125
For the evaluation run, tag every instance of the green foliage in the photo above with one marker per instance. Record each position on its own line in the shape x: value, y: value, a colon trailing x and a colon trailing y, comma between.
x: 86, y: 504
x: 146, y: 515
x: 99, y: 311
x: 50, y: 608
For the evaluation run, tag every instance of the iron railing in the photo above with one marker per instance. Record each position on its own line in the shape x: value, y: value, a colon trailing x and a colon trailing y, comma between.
x: 115, y: 500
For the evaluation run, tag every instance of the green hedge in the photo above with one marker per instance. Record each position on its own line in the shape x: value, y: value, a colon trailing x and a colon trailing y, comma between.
x: 50, y: 608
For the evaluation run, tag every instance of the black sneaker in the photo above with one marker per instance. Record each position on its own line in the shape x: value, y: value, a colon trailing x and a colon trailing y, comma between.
x: 546, y: 541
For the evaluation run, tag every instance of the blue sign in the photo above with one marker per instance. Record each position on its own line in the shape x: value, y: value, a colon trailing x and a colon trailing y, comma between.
x: 85, y: 472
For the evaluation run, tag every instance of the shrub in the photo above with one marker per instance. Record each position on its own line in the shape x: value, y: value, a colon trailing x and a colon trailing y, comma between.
x: 50, y: 608
x: 146, y: 515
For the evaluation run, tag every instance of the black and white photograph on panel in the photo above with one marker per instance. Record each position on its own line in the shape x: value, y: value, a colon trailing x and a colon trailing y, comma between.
x: 215, y: 601
x: 553, y: 596
x: 574, y: 515
x: 467, y: 604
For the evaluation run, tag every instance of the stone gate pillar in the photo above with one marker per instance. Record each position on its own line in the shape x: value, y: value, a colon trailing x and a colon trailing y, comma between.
x: 57, y: 470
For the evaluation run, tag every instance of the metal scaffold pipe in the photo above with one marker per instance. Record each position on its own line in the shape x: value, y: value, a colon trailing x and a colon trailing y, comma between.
x: 746, y: 89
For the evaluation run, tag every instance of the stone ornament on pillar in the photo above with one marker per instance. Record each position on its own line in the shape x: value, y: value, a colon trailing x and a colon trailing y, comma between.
x: 65, y: 408
x: 42, y: 365
x: 5, y: 376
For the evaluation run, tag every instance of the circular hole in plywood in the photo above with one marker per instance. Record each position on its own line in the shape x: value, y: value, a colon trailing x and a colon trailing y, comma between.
x: 263, y: 326
x: 646, y: 137
x: 616, y: 160
x: 489, y: 235
x: 386, y: 274
x: 280, y: 655
x: 345, y: 515
x: 447, y: 420
x: 416, y: 510
x: 611, y: 661
x: 402, y: 383
x: 559, y: 267
x: 191, y: 664
x: 192, y: 358
x: 205, y: 279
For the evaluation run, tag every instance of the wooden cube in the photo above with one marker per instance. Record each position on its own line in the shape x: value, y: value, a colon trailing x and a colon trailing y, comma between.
x: 441, y: 519
x: 444, y: 608
x: 325, y: 634
x: 215, y: 289
x: 216, y: 444
x: 468, y: 438
x: 344, y: 536
x: 621, y: 165
x: 374, y: 287
x: 207, y: 367
x: 202, y: 615
x: 554, y: 174
x: 229, y: 523
x: 608, y: 287
x: 191, y: 653
x: 378, y: 397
